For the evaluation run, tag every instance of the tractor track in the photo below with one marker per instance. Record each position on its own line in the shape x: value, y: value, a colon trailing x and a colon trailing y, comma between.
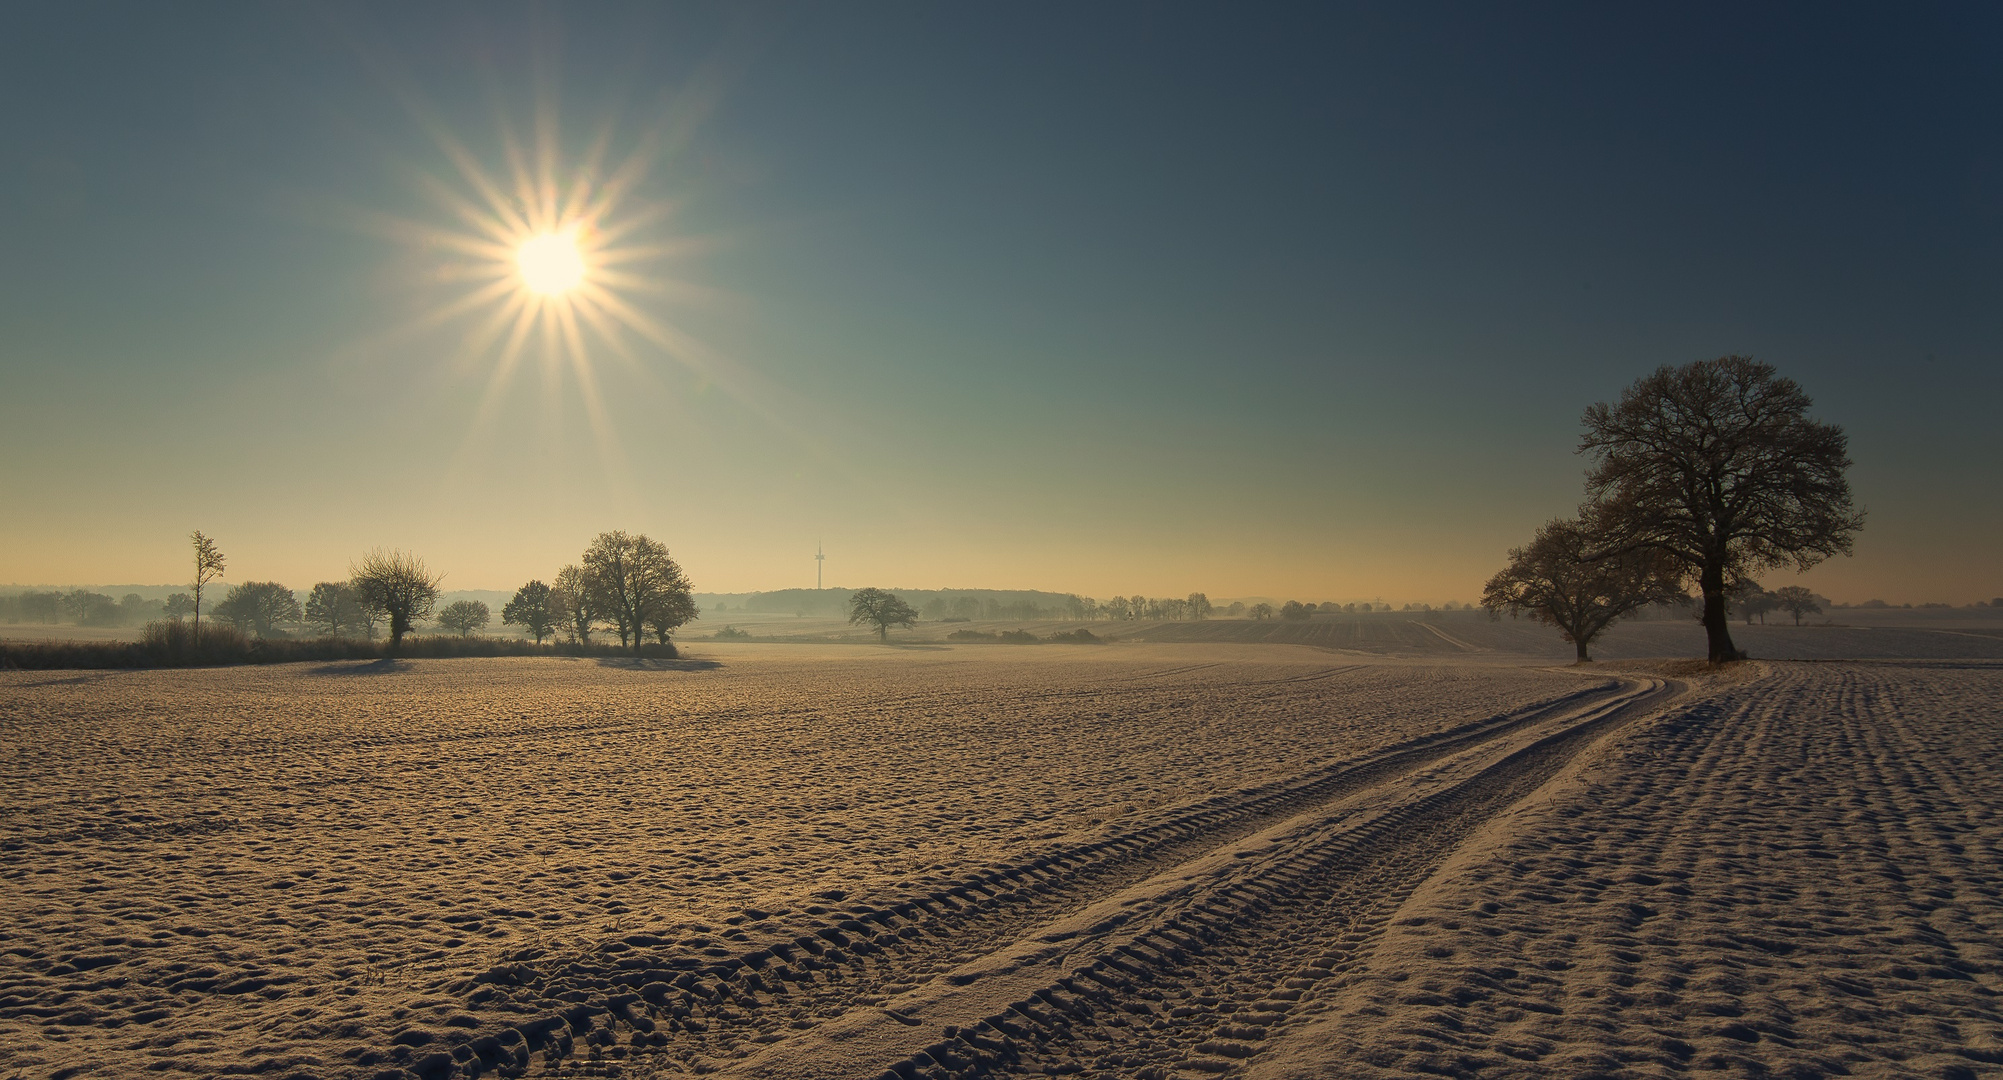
x: 633, y: 1008
x: 1214, y: 973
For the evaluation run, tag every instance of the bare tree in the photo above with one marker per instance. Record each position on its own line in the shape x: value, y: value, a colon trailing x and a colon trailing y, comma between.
x: 1557, y: 579
x: 677, y: 608
x: 258, y: 607
x: 534, y: 609
x: 631, y: 580
x: 462, y: 617
x: 1717, y: 464
x: 333, y: 604
x: 572, y: 602
x: 880, y: 608
x: 208, y: 567
x: 178, y: 605
x: 1199, y: 606
x: 1747, y: 598
x: 1262, y: 611
x: 1796, y: 601
x: 397, y: 585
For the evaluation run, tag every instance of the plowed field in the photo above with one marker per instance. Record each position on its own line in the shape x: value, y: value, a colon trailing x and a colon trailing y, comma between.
x: 1120, y: 861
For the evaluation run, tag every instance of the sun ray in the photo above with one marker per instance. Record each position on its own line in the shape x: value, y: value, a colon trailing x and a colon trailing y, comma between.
x: 558, y: 263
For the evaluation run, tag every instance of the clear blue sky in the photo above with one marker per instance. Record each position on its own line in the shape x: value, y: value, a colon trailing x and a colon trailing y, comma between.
x: 1098, y: 298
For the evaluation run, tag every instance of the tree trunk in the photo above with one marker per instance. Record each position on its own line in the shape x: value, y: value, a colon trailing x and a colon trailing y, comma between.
x: 1716, y: 625
x: 1581, y: 643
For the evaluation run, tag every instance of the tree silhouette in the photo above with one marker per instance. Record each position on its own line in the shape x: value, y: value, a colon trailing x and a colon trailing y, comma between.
x: 881, y: 609
x: 1557, y: 579
x: 258, y: 607
x: 209, y: 561
x: 1262, y: 611
x: 630, y: 579
x: 399, y: 586
x: 1748, y: 599
x: 462, y: 617
x: 1796, y: 601
x: 1718, y: 465
x: 572, y: 603
x: 533, y: 609
x: 333, y: 604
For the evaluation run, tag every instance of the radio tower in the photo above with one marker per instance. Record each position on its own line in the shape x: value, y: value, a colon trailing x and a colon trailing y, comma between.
x: 819, y: 559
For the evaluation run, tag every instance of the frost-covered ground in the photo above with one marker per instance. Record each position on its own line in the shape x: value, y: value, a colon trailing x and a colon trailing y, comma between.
x: 1801, y: 875
x: 287, y: 868
x: 1135, y: 860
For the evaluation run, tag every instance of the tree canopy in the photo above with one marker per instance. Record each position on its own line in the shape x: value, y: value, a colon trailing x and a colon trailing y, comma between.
x: 257, y: 607
x: 630, y: 580
x: 880, y: 609
x: 1745, y: 597
x: 334, y: 605
x: 534, y: 609
x: 572, y: 604
x: 1797, y: 601
x: 1558, y: 579
x: 463, y: 617
x: 398, y: 585
x: 1718, y: 465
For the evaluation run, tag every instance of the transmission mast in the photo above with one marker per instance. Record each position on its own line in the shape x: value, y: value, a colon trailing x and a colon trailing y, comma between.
x: 820, y: 558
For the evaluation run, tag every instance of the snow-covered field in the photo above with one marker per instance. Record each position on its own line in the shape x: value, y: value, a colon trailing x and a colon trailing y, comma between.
x: 1139, y: 860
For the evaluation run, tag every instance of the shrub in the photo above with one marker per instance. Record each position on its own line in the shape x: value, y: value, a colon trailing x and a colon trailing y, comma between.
x: 1080, y: 636
x: 171, y: 643
x: 969, y: 635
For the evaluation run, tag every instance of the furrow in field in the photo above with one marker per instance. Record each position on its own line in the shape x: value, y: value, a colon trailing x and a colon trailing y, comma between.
x: 1196, y: 986
x: 697, y: 1012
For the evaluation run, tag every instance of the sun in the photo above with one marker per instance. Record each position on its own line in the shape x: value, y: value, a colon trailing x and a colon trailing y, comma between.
x: 565, y: 262
x: 551, y: 263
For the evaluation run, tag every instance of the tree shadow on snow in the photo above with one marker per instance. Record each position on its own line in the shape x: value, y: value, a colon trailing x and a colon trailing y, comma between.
x: 74, y: 680
x: 385, y: 666
x: 636, y: 663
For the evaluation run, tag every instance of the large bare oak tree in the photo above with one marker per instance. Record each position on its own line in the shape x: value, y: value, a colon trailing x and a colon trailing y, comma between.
x: 1718, y: 464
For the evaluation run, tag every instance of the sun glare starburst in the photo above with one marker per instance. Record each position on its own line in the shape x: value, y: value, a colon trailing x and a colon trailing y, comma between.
x: 550, y: 263
x: 556, y: 258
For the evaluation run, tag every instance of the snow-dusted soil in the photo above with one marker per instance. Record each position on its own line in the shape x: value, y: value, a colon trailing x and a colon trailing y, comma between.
x: 339, y: 869
x: 1144, y: 861
x: 1801, y: 875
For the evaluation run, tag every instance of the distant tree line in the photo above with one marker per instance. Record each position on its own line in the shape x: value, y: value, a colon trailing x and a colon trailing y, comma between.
x: 82, y: 607
x: 625, y: 584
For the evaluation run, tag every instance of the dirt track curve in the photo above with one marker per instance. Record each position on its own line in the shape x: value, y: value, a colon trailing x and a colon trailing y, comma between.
x: 1170, y: 948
